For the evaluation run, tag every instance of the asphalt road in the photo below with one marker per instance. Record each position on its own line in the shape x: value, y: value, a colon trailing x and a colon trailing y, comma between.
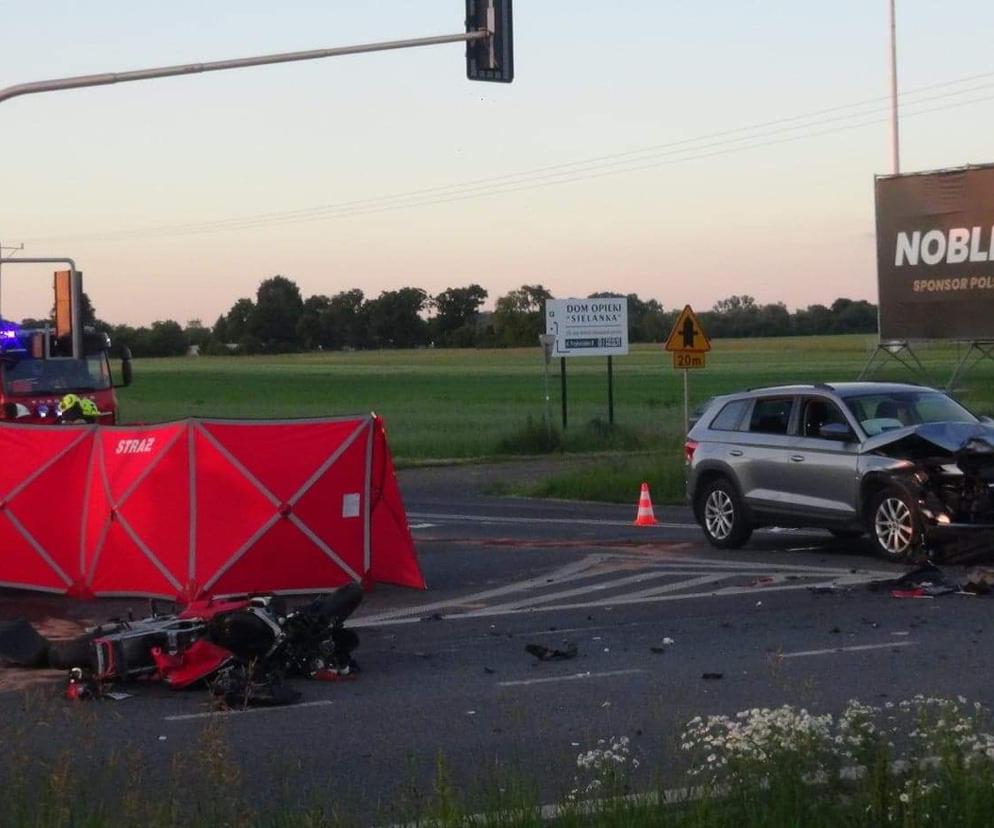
x: 445, y: 671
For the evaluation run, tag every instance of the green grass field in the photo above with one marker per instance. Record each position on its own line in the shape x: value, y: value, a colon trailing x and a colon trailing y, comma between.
x: 456, y: 404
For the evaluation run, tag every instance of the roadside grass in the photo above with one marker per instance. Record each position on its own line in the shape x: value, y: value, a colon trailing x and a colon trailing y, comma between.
x: 613, y: 480
x: 443, y: 404
x: 919, y: 762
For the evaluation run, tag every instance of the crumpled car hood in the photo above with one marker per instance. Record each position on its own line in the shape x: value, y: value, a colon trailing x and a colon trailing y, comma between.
x: 931, y: 439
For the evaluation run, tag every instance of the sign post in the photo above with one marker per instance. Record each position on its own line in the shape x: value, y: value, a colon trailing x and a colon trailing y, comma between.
x: 588, y: 327
x: 610, y: 391
x: 688, y: 343
x: 547, y: 342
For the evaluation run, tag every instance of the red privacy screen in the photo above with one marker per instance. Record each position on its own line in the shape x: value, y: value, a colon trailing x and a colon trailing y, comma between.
x: 202, y: 508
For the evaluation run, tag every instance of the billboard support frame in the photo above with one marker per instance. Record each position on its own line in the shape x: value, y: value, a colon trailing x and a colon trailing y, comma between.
x: 900, y: 351
x: 985, y: 350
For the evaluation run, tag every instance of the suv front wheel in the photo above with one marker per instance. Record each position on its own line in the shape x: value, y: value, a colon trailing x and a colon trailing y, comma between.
x: 722, y: 515
x: 895, y: 525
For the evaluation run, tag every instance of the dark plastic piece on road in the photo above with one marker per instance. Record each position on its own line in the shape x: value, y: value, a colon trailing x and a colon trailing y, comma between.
x: 543, y: 653
x: 21, y: 645
x: 435, y: 616
x: 712, y: 676
x: 826, y: 590
x: 657, y: 649
x: 926, y: 581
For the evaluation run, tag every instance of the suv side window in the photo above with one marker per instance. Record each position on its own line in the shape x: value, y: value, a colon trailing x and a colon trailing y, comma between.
x: 817, y: 413
x: 771, y: 416
x: 730, y: 416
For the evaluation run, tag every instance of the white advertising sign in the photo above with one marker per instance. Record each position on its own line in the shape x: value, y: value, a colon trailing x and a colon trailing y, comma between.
x: 588, y: 327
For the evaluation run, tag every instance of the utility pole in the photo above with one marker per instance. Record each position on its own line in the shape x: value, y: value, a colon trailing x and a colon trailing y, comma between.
x: 895, y: 138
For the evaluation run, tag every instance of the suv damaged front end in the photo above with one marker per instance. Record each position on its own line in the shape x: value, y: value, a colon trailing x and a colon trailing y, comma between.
x: 949, y: 469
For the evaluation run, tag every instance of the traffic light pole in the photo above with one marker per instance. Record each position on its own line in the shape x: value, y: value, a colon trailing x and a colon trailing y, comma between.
x: 107, y: 78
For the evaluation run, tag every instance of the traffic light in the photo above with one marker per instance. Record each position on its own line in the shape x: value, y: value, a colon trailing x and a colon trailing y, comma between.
x: 492, y: 58
x: 63, y: 303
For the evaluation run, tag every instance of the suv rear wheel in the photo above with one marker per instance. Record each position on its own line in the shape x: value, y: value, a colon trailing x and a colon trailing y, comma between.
x: 895, y: 525
x: 722, y: 515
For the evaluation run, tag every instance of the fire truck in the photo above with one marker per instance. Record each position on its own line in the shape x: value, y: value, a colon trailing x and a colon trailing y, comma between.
x: 40, y: 366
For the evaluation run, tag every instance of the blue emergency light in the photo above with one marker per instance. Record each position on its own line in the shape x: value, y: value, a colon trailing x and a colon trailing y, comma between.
x: 10, y: 338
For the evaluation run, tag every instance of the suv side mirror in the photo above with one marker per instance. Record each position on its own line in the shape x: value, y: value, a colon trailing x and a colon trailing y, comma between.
x: 835, y: 431
x: 126, y: 374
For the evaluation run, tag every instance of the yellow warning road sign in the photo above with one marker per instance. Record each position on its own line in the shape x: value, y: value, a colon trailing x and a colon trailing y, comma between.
x: 687, y: 335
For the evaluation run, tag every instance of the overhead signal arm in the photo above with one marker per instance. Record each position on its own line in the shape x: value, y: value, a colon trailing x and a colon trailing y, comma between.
x: 487, y: 35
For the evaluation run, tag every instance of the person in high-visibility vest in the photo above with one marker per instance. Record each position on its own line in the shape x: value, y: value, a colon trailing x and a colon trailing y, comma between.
x: 74, y: 409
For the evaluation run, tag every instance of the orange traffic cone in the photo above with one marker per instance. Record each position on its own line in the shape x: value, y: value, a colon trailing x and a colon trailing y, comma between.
x: 645, y: 516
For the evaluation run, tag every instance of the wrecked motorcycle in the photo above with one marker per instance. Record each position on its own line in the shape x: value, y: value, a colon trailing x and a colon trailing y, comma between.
x: 243, y: 649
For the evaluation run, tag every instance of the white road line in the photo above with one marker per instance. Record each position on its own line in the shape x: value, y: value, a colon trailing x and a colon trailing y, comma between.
x: 421, y: 525
x: 551, y: 521
x: 691, y: 584
x: 226, y: 713
x: 858, y: 648
x: 500, y: 519
x: 575, y: 569
x: 653, y: 599
x: 572, y: 677
x: 598, y: 586
x: 620, y: 600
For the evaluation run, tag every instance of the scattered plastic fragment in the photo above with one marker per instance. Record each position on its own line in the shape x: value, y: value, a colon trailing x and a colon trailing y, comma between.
x: 543, y: 653
x: 712, y: 676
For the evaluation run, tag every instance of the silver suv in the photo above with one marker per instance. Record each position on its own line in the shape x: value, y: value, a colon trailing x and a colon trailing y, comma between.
x: 906, y: 464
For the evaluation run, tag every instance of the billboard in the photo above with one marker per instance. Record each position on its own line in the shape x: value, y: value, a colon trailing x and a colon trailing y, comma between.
x: 935, y: 254
x: 588, y: 327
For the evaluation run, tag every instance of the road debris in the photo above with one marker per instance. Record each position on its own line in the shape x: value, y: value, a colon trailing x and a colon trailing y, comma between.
x: 926, y: 581
x: 543, y: 653
x: 21, y: 645
x: 979, y: 581
x: 827, y: 589
x: 712, y: 676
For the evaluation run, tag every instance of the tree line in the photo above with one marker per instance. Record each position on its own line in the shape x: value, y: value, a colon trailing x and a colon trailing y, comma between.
x: 280, y: 320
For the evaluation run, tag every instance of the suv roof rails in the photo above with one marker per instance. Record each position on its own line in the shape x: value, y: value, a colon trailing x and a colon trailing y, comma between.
x: 782, y: 385
x: 826, y: 385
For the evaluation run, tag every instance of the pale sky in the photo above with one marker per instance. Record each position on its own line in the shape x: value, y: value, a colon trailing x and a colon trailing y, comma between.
x: 383, y: 154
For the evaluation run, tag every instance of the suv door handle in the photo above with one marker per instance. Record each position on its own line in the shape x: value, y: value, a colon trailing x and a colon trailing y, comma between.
x: 797, y: 458
x: 735, y: 452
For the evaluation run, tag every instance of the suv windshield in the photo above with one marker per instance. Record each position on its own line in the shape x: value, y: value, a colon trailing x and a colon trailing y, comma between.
x: 30, y: 377
x: 897, y: 409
